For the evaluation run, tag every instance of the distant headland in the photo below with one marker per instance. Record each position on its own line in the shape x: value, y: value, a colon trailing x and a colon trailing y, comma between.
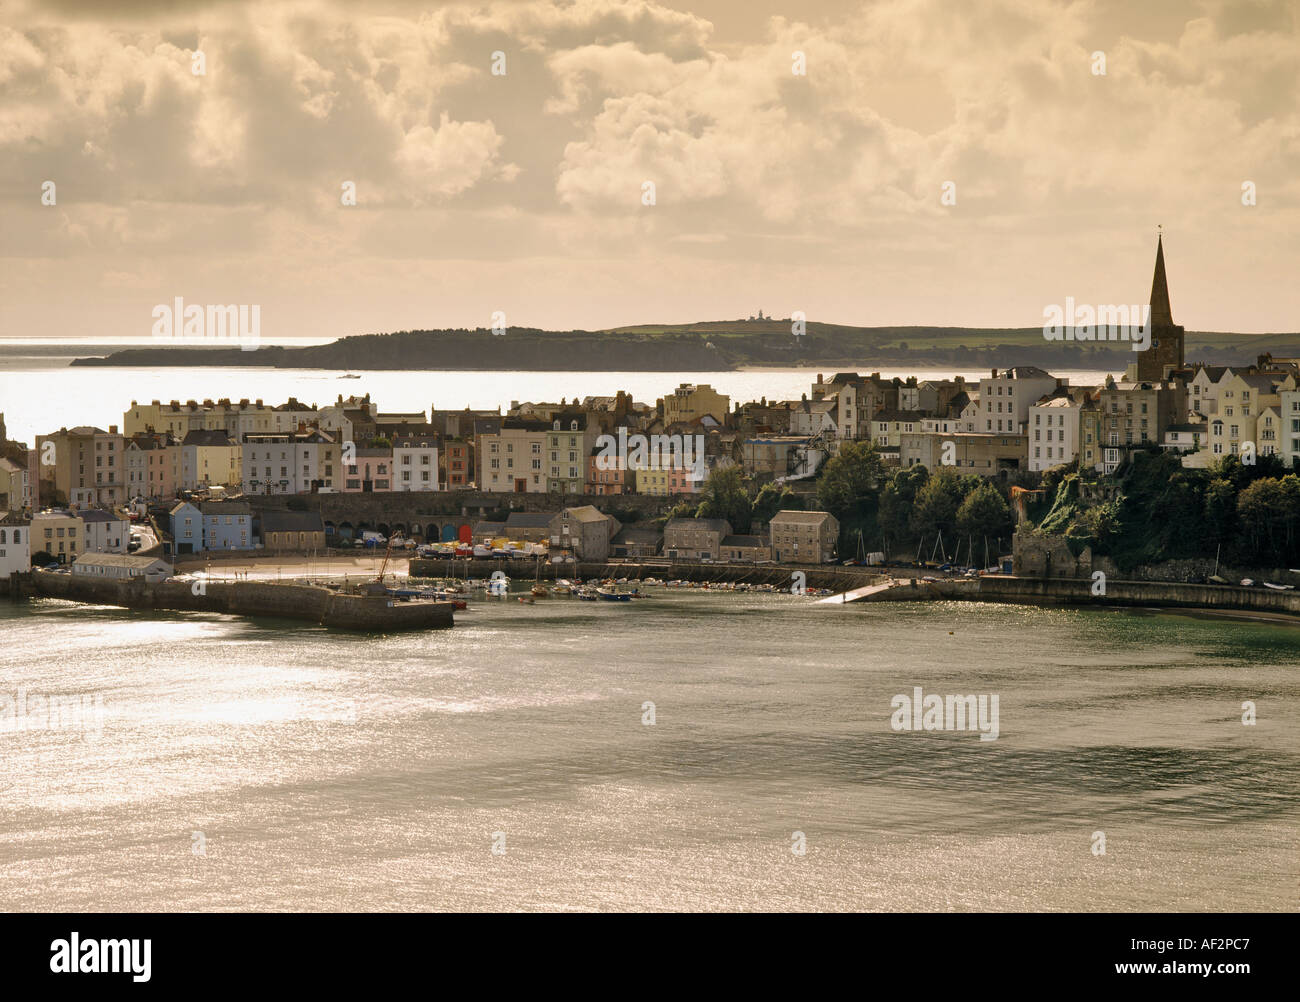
x: 709, y: 346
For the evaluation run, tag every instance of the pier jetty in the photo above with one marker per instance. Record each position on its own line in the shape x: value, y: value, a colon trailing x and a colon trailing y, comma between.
x: 365, y: 609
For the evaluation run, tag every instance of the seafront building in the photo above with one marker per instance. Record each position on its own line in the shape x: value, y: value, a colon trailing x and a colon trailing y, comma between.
x: 15, y: 545
x: 803, y: 537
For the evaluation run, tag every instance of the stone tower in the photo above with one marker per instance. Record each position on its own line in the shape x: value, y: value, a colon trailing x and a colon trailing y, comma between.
x: 1166, y: 350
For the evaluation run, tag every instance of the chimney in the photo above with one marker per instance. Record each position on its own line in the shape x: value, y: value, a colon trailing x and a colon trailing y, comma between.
x: 995, y: 373
x: 112, y: 429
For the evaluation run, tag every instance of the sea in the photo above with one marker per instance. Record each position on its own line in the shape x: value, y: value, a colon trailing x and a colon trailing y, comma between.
x: 693, y: 750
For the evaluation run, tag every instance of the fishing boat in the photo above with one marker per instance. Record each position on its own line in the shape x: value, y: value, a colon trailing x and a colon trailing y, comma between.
x: 586, y: 594
x: 613, y: 595
x: 540, y: 590
x: 1279, y: 587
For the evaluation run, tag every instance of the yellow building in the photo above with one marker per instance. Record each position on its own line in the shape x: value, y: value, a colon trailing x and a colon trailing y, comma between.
x: 688, y: 403
x: 58, y: 533
x: 211, y: 458
x: 236, y: 418
x: 512, y: 460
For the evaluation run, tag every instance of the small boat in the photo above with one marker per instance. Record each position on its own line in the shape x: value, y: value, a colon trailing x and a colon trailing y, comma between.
x: 1247, y: 582
x: 586, y: 595
x: 1279, y: 587
x: 541, y: 591
x: 349, y: 375
x: 612, y: 595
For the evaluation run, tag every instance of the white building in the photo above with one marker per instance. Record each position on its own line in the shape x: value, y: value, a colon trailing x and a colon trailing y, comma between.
x: 290, y: 462
x: 120, y: 567
x: 415, y: 463
x: 294, y: 415
x: 1053, y: 432
x: 1006, y: 396
x: 15, y: 547
x: 104, y: 531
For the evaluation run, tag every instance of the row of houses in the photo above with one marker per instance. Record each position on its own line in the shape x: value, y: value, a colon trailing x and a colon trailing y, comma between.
x: 222, y: 526
x: 792, y: 537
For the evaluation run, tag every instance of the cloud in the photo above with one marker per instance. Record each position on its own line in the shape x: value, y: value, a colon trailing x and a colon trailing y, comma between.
x: 765, y: 178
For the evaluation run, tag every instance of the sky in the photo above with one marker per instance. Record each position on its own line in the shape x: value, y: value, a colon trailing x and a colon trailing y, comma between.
x: 524, y: 192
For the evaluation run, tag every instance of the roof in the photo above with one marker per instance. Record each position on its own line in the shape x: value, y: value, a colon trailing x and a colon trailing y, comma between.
x: 99, y: 515
x: 960, y: 401
x: 1025, y: 372
x: 1056, y: 401
x: 118, y: 560
x: 9, y: 466
x: 743, y: 541
x: 292, y: 521
x: 584, y: 513
x: 145, y: 442
x: 179, y: 505
x: 226, y: 508
x: 483, y: 527
x: 428, y: 441
x: 897, y: 415
x: 524, y: 424
x: 208, y: 437
x: 712, y: 524
x: 529, y: 520
x: 780, y: 439
x: 800, y: 517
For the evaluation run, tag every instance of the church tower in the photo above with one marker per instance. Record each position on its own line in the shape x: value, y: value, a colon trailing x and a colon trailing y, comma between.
x: 1166, y: 349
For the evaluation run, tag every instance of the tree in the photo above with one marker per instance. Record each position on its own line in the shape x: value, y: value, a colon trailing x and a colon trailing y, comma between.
x: 1220, y: 511
x: 984, y: 513
x: 683, y: 509
x: 936, y: 505
x: 850, y: 482
x: 1262, y: 509
x: 773, y: 498
x: 724, y: 495
x: 894, y: 508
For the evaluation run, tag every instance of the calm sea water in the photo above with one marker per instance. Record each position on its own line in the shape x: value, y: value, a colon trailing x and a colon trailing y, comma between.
x: 40, y: 393
x: 327, y: 771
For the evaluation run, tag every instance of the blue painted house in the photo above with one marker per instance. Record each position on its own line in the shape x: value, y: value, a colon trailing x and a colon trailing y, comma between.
x: 187, y: 527
x: 227, y: 525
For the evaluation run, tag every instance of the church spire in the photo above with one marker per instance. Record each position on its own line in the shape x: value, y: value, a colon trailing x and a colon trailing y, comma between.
x: 1161, y: 315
